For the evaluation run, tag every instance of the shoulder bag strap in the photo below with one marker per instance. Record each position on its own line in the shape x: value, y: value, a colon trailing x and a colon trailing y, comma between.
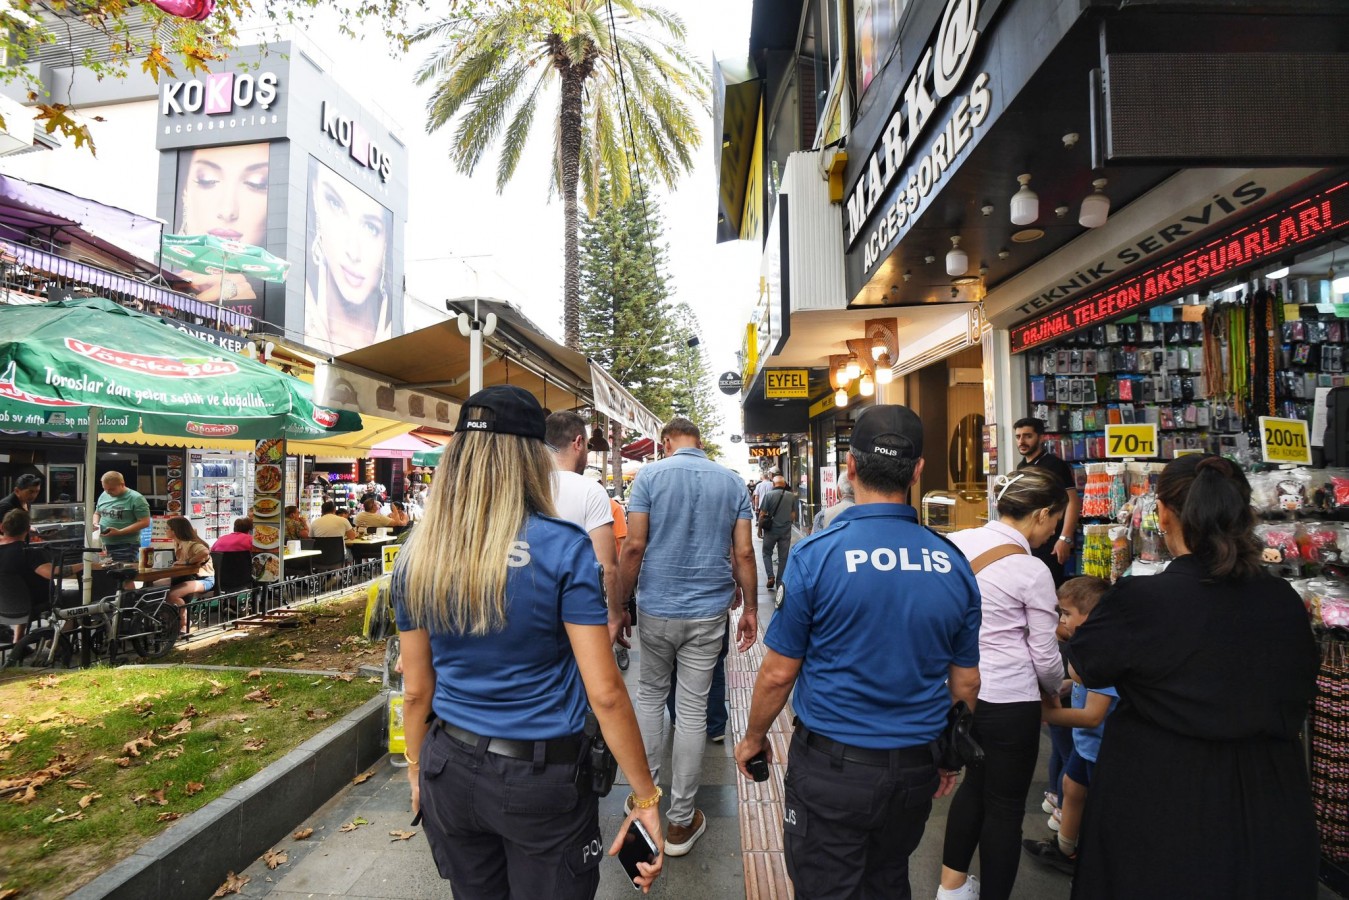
x: 988, y: 557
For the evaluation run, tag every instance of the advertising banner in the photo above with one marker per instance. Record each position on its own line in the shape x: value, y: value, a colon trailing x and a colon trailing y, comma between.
x: 614, y: 400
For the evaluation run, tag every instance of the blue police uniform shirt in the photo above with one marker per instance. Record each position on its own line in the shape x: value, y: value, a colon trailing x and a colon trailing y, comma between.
x: 877, y: 608
x: 522, y: 682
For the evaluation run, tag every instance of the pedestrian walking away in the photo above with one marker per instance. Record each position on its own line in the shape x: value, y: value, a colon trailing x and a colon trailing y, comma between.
x: 505, y: 642
x: 777, y: 513
x: 874, y: 678
x: 689, y: 547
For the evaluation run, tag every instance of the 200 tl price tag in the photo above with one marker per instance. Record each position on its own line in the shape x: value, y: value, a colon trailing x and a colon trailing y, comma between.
x: 1131, y: 441
x: 1285, y: 440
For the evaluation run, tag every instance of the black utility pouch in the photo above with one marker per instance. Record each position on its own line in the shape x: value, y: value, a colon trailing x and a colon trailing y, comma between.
x: 598, y: 763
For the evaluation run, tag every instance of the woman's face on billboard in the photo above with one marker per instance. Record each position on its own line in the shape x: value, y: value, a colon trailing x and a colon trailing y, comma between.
x: 352, y: 235
x: 226, y: 193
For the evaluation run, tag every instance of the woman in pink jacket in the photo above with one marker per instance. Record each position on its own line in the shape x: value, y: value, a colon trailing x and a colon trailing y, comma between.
x: 1018, y: 661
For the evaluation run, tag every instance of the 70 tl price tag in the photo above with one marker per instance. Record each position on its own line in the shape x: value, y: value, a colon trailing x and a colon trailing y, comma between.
x: 1285, y: 440
x: 1131, y: 441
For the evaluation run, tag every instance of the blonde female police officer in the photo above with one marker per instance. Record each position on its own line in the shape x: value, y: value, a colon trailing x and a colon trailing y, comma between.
x: 505, y: 639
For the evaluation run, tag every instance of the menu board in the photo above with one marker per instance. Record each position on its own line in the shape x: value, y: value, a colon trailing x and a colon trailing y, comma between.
x: 268, y: 511
x: 174, y: 488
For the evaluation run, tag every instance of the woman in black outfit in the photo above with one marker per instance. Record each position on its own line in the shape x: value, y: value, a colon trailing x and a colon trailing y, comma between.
x: 1201, y: 787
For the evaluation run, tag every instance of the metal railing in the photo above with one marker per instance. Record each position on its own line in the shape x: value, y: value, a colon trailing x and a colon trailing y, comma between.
x: 208, y: 616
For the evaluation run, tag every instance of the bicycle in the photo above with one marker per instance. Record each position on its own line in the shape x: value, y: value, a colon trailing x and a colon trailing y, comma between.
x: 141, y: 620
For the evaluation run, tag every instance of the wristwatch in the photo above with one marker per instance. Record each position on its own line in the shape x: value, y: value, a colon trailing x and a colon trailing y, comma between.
x: 1065, y: 539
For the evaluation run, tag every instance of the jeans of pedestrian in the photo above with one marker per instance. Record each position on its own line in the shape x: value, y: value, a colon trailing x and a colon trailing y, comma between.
x: 695, y: 645
x: 988, y: 807
x: 717, y: 713
x: 1061, y: 740
x: 779, y: 542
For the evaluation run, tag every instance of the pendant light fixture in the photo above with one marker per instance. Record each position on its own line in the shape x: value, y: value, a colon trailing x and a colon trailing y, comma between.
x: 884, y: 371
x: 877, y: 347
x: 1095, y: 206
x: 841, y: 376
x: 1025, y: 203
x: 957, y: 260
x: 866, y: 387
x: 854, y: 369
x: 840, y: 398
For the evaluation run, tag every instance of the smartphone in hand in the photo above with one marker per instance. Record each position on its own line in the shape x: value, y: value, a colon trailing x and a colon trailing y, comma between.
x: 637, y: 847
x: 757, y: 766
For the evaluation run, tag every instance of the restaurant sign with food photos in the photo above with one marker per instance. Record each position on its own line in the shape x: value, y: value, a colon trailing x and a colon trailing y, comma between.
x: 268, y: 510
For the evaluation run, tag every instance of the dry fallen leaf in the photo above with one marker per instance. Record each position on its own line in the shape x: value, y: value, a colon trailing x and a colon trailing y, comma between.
x: 87, y: 799
x: 12, y: 737
x: 50, y: 681
x: 133, y: 748
x: 303, y: 834
x: 191, y: 712
x: 233, y: 884
x: 236, y: 717
x: 168, y: 817
x: 144, y: 708
x: 171, y: 752
x: 354, y: 824
x: 194, y: 787
x: 317, y: 715
x: 255, y: 744
x: 9, y: 893
x: 295, y: 657
x: 78, y: 784
x: 178, y: 730
x: 216, y: 688
x: 344, y: 677
x: 157, y: 798
x: 123, y: 761
x: 57, y: 817
x: 402, y: 835
x: 363, y: 777
x: 256, y: 673
x: 274, y: 858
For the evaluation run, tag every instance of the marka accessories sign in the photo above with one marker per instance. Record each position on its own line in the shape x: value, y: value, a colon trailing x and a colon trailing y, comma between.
x: 1307, y: 221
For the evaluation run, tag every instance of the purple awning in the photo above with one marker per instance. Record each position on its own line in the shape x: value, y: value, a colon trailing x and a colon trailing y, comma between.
x: 26, y: 206
x: 124, y: 284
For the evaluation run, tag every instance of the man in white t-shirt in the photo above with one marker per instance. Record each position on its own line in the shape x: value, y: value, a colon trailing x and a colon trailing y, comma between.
x: 763, y: 487
x: 579, y: 499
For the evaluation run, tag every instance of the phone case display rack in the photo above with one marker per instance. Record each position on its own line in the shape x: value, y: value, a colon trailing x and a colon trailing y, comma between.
x: 220, y: 486
x: 347, y: 494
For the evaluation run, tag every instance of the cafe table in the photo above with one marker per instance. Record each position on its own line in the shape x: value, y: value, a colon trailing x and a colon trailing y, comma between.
x: 368, y: 547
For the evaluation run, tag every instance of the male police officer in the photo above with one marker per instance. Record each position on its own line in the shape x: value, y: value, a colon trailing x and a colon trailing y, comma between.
x: 880, y: 620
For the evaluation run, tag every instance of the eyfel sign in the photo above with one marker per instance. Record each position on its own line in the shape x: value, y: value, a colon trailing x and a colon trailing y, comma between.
x: 1304, y: 222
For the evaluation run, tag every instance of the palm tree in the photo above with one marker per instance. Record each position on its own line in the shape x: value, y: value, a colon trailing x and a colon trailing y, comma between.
x: 627, y: 94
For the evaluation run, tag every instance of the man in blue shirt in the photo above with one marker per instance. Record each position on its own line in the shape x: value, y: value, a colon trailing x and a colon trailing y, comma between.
x: 688, y: 548
x: 879, y: 632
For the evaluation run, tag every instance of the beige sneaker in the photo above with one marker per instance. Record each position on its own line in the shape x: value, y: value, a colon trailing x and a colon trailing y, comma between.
x: 679, y: 839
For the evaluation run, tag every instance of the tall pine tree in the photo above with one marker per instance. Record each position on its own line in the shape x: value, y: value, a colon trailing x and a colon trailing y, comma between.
x: 626, y: 322
x: 692, y: 383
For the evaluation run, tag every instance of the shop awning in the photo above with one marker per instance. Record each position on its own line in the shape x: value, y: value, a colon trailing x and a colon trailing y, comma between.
x: 642, y: 449
x: 401, y: 447
x: 356, y: 445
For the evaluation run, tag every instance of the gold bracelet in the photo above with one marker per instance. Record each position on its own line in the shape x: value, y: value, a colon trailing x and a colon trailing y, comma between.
x: 412, y: 762
x: 648, y: 802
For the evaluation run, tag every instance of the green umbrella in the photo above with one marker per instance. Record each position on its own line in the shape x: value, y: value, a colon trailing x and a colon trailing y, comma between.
x: 429, y: 457
x: 91, y: 365
x: 207, y: 254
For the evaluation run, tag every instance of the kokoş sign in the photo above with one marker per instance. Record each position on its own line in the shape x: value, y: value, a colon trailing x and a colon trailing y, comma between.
x: 1309, y: 220
x: 348, y: 133
x: 221, y: 94
x: 939, y: 71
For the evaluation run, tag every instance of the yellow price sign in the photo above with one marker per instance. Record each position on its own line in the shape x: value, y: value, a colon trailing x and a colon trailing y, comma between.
x: 391, y: 552
x: 1285, y: 440
x: 1131, y: 441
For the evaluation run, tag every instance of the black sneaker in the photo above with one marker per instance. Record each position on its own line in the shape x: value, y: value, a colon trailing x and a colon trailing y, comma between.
x: 771, y: 584
x: 624, y: 660
x: 1048, y: 852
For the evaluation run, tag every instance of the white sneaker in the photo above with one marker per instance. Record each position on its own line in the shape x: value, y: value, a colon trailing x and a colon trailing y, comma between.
x: 1049, y: 805
x: 1053, y: 822
x: 967, y: 891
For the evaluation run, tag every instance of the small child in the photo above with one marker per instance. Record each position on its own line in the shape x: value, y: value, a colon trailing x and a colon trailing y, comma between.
x: 1060, y: 738
x: 1077, y: 598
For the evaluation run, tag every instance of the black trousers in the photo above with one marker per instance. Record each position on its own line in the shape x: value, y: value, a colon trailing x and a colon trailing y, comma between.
x: 848, y: 828
x: 503, y: 828
x: 990, y: 803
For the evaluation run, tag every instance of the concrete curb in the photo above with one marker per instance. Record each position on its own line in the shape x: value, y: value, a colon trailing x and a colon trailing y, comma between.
x: 192, y: 858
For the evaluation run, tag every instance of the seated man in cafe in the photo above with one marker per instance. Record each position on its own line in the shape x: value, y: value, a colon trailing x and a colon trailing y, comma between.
x: 241, y: 538
x: 371, y: 517
x: 330, y: 524
x: 32, y: 564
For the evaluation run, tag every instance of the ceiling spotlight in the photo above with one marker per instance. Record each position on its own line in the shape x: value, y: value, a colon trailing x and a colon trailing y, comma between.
x: 877, y: 347
x: 957, y: 260
x: 1026, y: 235
x: 1276, y: 274
x: 964, y: 280
x: 1025, y: 203
x: 908, y: 274
x: 1095, y: 206
x: 1060, y: 211
x: 866, y: 387
x: 929, y: 259
x: 1004, y: 253
x: 853, y: 367
x: 983, y: 269
x: 840, y: 398
x: 986, y: 209
x: 1070, y: 139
